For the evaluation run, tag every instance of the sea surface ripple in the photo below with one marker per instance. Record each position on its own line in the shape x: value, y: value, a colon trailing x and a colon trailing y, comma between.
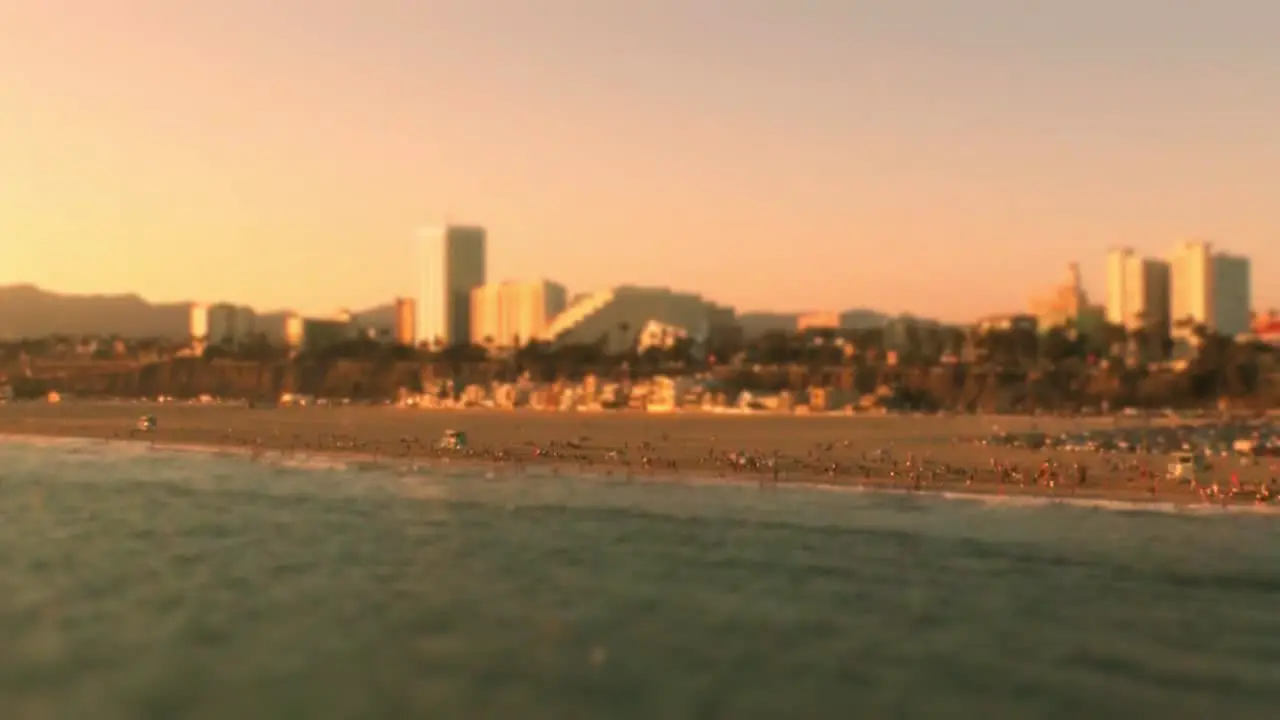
x: 140, y: 582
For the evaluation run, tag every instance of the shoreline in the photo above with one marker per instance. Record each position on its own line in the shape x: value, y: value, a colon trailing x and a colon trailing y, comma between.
x: 340, y: 460
x: 900, y: 455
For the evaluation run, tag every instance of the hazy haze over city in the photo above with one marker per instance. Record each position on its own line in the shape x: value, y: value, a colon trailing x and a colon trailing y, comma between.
x: 945, y: 158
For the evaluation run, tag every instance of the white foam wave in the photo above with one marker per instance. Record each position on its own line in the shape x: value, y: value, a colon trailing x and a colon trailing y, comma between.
x: 306, y: 462
x: 1139, y: 506
x: 414, y: 474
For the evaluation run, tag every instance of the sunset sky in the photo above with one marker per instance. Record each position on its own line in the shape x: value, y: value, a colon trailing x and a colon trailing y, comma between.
x: 941, y: 157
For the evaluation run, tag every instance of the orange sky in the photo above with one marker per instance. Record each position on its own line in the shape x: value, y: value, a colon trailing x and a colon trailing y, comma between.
x: 936, y: 157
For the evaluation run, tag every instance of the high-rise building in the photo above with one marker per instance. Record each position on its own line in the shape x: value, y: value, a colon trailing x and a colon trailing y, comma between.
x: 510, y: 314
x: 1232, y: 291
x: 1117, y: 272
x: 406, y: 323
x: 1138, y: 292
x: 453, y: 263
x: 1191, y: 289
x: 1209, y: 289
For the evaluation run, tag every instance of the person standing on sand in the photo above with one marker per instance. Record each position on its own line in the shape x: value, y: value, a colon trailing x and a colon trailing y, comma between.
x: 1263, y: 495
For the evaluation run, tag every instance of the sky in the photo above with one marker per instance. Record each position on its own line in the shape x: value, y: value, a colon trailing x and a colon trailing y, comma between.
x: 945, y: 158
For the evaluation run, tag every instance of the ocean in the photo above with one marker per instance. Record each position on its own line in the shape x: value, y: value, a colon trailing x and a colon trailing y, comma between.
x: 152, y: 583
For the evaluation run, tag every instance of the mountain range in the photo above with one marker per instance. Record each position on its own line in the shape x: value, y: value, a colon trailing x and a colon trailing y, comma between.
x: 28, y: 311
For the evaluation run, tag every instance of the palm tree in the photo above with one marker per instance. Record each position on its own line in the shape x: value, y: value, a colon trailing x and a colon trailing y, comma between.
x: 624, y: 329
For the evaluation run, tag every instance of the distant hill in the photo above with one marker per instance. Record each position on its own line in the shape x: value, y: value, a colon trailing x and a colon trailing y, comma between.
x: 28, y: 311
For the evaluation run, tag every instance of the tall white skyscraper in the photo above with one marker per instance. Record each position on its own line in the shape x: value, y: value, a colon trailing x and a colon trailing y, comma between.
x: 1137, y: 291
x: 1209, y: 289
x: 1191, y: 297
x: 453, y: 263
x: 1117, y: 295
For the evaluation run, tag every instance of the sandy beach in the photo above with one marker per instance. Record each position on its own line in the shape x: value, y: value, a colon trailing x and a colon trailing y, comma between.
x: 910, y: 453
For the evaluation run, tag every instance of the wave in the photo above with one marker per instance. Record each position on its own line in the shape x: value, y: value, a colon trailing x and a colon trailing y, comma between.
x: 443, y: 469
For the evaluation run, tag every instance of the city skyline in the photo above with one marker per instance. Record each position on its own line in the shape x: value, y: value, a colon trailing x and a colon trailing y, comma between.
x: 902, y: 156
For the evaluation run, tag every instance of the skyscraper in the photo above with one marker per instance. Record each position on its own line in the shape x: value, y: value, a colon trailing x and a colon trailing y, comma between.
x: 453, y: 263
x: 1191, y: 293
x: 1210, y: 289
x: 1117, y: 272
x: 1137, y: 292
x: 1232, y: 294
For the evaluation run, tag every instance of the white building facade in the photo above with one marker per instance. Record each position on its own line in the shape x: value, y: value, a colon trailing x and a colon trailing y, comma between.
x: 1191, y: 290
x: 1209, y: 289
x: 1138, y: 291
x: 511, y: 314
x: 453, y: 264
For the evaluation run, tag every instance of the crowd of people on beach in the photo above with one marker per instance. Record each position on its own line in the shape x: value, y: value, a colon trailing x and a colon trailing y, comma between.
x: 830, y: 462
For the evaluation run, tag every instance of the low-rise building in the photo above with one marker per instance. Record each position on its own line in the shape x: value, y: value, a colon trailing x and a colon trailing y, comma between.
x: 282, y: 329
x: 1268, y: 331
x: 1008, y: 322
x: 321, y: 333
x: 660, y: 336
x: 820, y: 320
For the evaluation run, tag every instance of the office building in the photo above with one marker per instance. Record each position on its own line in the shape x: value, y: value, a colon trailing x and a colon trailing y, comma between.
x: 1209, y: 289
x: 510, y: 314
x: 619, y: 315
x: 1138, y: 292
x: 1232, y: 291
x: 1191, y: 285
x: 230, y: 324
x: 321, y: 333
x: 453, y: 264
x: 282, y: 329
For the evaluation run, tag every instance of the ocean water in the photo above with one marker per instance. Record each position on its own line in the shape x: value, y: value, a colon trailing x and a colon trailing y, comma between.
x: 150, y: 583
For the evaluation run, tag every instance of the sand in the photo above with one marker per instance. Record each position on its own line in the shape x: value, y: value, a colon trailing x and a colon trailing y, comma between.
x: 909, y: 453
